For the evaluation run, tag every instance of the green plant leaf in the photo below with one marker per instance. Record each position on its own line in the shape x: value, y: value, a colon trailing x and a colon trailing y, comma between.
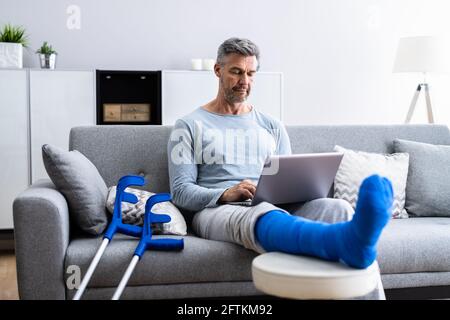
x: 14, y: 34
x: 46, y: 49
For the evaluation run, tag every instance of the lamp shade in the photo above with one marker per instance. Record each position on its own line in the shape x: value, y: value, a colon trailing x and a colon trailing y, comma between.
x: 422, y: 54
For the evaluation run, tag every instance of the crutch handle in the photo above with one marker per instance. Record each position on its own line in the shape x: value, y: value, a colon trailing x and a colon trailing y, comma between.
x: 129, y: 197
x: 160, y: 218
x: 167, y: 244
x: 159, y: 244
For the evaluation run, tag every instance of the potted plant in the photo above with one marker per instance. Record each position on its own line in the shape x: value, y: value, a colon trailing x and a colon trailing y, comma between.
x: 47, y: 56
x: 12, y: 42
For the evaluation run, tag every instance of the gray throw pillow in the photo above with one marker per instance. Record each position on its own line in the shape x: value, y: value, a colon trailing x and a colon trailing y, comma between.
x: 428, y: 185
x: 79, y: 181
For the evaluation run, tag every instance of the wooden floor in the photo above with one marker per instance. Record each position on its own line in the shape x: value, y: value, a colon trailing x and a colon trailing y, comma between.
x: 8, y: 276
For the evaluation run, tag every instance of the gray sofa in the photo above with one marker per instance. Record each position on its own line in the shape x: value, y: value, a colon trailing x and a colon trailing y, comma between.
x: 414, y: 253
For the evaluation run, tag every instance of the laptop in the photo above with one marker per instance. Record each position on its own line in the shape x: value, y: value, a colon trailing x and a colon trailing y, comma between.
x: 295, y: 178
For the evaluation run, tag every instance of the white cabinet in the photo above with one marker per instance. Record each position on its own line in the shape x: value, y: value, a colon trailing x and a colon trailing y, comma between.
x: 183, y: 91
x: 59, y: 100
x: 14, y: 173
x: 37, y: 107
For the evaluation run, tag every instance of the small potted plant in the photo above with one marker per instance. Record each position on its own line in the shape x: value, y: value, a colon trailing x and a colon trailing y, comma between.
x: 12, y: 42
x: 47, y: 56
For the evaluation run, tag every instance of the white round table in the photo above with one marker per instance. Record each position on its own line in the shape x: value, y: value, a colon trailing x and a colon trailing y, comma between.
x: 301, y: 277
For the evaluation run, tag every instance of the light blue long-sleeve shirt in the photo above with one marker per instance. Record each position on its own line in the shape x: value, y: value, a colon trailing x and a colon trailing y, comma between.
x: 210, y: 152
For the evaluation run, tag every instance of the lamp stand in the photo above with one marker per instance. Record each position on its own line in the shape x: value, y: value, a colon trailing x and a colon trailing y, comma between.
x: 414, y: 102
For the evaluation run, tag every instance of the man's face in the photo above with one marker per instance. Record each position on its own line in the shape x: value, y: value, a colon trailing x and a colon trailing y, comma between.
x: 236, y: 76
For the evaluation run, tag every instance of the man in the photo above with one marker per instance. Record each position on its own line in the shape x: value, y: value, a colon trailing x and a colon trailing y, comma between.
x: 216, y: 154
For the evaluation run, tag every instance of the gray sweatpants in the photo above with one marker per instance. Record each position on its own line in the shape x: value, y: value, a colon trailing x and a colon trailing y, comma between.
x: 233, y: 223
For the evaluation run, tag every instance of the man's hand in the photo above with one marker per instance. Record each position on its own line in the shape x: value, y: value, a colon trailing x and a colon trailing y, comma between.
x: 242, y: 191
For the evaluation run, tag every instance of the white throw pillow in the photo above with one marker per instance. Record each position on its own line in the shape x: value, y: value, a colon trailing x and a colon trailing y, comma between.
x: 134, y: 213
x: 357, y: 165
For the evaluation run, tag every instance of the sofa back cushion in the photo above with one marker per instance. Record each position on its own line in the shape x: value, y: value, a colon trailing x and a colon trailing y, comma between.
x: 369, y: 138
x: 118, y: 150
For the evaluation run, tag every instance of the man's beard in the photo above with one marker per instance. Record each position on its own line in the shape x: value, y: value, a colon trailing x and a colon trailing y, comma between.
x: 231, y: 96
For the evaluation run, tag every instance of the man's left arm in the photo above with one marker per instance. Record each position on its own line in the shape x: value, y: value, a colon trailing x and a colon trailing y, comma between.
x: 182, y: 167
x: 283, y: 141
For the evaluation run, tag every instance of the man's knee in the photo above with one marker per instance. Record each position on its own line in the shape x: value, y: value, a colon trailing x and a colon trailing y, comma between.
x: 327, y: 210
x: 341, y: 208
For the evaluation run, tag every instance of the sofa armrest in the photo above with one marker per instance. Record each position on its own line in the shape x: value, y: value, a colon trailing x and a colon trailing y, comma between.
x: 41, y: 232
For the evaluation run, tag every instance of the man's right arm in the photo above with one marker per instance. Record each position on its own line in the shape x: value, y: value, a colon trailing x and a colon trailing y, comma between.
x: 185, y: 191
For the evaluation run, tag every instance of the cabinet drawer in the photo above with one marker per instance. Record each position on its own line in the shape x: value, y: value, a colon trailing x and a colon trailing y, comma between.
x: 136, y: 112
x: 135, y: 117
x: 136, y: 108
x: 111, y: 112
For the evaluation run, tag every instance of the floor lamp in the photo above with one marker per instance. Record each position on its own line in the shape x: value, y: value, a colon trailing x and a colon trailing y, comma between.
x: 413, y: 104
x: 420, y: 54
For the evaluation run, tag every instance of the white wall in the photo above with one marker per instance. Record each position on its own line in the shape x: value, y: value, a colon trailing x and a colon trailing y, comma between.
x: 336, y: 55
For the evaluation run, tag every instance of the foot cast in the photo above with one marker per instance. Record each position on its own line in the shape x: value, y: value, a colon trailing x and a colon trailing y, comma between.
x: 353, y: 242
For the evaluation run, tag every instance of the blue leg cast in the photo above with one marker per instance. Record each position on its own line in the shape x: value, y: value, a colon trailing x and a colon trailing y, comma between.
x: 353, y: 242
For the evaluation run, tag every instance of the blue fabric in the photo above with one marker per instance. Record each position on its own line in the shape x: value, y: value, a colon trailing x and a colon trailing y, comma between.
x: 353, y: 242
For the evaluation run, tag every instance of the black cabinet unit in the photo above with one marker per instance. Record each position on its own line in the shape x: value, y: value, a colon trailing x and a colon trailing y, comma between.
x: 128, y: 97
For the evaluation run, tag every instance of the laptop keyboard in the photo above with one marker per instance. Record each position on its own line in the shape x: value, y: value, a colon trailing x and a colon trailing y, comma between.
x: 247, y: 203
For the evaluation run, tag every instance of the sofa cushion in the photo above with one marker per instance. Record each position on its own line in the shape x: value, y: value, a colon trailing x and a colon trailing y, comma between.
x: 200, y: 261
x: 427, y: 189
x: 415, y: 245
x: 178, y: 291
x: 81, y: 184
x: 415, y: 280
x: 358, y: 165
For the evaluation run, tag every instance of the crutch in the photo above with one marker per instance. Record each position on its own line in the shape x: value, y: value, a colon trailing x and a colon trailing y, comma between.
x: 116, y: 225
x: 147, y: 242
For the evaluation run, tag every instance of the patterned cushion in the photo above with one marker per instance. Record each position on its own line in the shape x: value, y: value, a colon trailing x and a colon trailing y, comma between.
x: 134, y: 213
x: 357, y: 165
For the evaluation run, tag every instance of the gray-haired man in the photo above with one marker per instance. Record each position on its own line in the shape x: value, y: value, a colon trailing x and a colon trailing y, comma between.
x: 216, y: 154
